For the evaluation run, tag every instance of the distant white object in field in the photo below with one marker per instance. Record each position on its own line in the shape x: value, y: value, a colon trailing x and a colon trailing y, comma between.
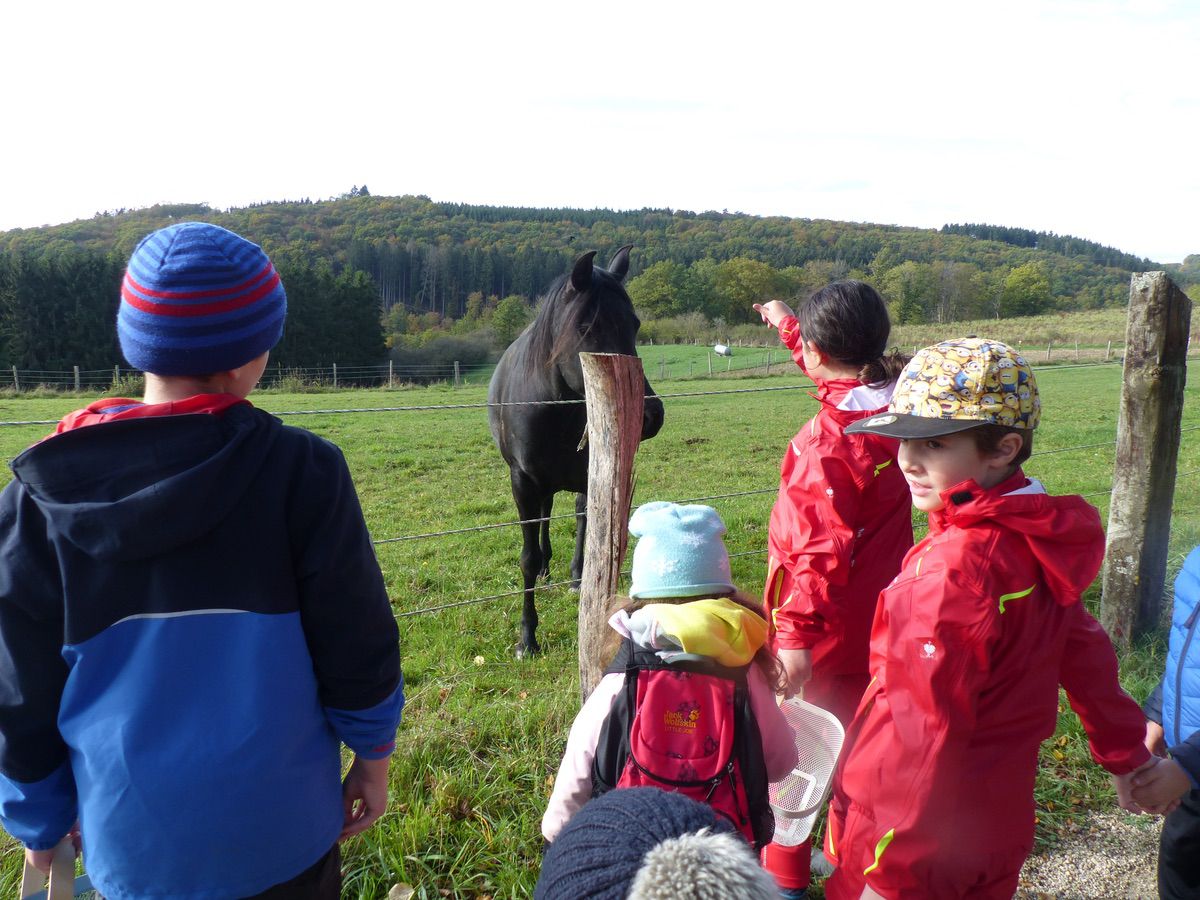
x: 723, y: 350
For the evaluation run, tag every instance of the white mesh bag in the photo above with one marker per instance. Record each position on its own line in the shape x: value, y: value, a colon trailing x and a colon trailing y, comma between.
x: 797, y: 797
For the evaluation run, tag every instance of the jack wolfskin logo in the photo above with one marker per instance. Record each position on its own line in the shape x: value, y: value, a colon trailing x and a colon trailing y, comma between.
x: 683, y: 719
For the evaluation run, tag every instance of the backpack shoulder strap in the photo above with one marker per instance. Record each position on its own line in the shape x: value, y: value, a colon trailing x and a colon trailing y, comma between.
x: 612, y: 749
x: 749, y: 751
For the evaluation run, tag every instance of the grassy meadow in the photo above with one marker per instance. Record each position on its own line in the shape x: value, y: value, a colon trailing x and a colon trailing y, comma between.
x: 483, y: 732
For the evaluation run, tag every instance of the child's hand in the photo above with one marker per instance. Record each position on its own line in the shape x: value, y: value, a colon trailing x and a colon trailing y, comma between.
x: 1123, y: 785
x: 1154, y: 738
x: 1158, y: 788
x: 364, y: 795
x: 797, y: 669
x: 773, y: 312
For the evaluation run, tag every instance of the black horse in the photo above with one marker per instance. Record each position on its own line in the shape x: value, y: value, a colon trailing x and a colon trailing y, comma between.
x: 590, y: 312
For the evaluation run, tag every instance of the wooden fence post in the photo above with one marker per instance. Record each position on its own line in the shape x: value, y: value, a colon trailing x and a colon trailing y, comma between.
x: 457, y: 375
x: 16, y: 380
x: 335, y: 374
x: 615, y: 387
x: 391, y: 373
x: 1139, y: 517
x: 77, y: 379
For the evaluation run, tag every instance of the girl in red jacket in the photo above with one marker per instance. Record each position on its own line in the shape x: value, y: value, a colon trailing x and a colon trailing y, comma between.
x: 842, y: 521
x: 933, y: 797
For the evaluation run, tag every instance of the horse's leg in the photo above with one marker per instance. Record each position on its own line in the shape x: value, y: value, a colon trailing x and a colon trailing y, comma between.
x: 580, y: 540
x: 529, y: 506
x: 544, y: 535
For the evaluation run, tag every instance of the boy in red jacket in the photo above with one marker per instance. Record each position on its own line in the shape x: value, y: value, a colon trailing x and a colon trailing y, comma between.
x: 934, y: 795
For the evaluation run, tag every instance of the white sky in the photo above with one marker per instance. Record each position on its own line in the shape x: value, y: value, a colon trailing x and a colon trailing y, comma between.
x: 1074, y: 116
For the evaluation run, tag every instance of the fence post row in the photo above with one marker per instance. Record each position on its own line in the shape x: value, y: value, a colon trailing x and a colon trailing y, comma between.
x: 614, y: 388
x: 1148, y: 430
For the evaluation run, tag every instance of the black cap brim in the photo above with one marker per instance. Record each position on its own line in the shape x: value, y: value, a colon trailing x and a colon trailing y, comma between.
x: 906, y: 427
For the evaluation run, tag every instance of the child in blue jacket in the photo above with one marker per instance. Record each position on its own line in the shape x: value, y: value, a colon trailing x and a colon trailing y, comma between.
x: 192, y: 618
x: 1173, y: 730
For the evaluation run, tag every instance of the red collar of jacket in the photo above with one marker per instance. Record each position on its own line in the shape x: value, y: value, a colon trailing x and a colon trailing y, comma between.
x: 119, y: 408
x: 1064, y: 534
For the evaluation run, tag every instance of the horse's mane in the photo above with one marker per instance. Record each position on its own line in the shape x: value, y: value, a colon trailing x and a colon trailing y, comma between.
x: 550, y: 339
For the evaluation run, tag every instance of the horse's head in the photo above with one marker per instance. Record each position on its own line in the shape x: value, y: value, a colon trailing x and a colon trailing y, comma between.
x: 590, y: 312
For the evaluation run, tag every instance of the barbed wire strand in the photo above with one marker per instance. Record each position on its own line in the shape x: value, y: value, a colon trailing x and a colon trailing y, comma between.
x: 475, y: 528
x: 517, y: 593
x: 625, y: 574
x: 438, y: 406
x: 430, y: 534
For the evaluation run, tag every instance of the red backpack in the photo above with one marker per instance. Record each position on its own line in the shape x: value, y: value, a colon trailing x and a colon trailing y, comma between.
x: 686, y: 727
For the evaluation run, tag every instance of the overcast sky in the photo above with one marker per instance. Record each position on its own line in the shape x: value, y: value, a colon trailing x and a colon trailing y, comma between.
x: 1074, y: 117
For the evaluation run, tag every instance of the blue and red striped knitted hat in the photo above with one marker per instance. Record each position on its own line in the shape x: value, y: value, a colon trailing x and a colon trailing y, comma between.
x: 198, y: 299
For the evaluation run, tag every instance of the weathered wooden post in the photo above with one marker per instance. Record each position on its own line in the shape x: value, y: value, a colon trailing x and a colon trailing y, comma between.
x: 1139, y: 518
x: 615, y: 389
x: 391, y: 373
x: 457, y: 374
x: 16, y: 379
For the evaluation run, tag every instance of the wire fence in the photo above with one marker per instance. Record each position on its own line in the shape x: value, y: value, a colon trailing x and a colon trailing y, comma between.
x: 739, y: 359
x: 118, y: 374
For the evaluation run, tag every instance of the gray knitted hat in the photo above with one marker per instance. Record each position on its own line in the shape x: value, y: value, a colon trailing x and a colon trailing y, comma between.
x: 647, y: 844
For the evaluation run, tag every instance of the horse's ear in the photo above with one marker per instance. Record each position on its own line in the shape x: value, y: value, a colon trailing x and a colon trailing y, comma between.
x: 619, y: 267
x: 581, y: 275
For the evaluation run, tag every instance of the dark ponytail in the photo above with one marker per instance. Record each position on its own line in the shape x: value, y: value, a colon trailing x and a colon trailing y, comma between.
x: 884, y: 369
x: 849, y: 322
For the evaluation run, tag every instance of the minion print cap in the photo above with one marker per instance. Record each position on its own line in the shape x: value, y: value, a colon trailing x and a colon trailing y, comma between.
x: 956, y: 385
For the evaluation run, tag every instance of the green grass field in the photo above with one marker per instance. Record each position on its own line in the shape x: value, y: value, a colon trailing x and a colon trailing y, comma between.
x: 483, y: 732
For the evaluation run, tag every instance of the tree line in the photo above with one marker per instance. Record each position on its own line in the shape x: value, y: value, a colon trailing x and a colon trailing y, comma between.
x: 367, y: 274
x: 58, y: 309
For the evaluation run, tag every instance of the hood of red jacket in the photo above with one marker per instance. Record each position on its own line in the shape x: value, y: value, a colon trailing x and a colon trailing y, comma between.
x: 1064, y: 534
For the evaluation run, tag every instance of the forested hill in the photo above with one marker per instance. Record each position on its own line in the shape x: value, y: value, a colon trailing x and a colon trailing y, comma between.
x: 435, y: 262
x: 1064, y: 244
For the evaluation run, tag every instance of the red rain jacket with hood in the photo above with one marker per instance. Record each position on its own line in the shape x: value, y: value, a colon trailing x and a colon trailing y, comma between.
x: 841, y: 525
x: 934, y: 795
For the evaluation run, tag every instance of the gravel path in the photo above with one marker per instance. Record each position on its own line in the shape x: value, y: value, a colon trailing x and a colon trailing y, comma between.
x: 1109, y: 855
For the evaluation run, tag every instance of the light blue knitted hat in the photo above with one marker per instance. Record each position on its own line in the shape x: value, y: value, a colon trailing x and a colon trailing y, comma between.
x: 679, y: 552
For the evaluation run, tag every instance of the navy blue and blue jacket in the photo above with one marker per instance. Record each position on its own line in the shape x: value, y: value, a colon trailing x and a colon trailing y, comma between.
x: 192, y: 620
x: 1175, y: 703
